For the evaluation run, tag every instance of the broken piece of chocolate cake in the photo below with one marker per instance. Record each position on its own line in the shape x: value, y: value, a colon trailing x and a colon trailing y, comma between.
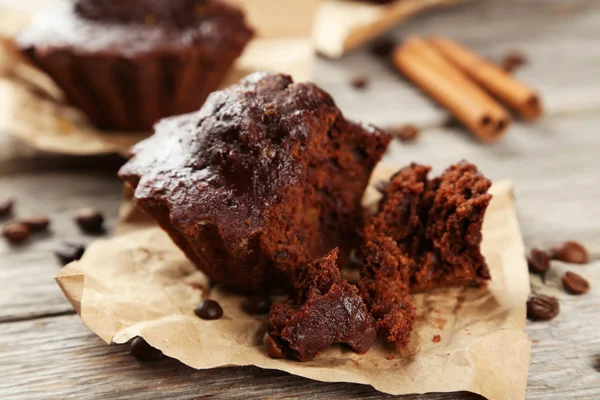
x: 268, y: 175
x: 426, y: 234
x: 384, y: 287
x: 326, y: 310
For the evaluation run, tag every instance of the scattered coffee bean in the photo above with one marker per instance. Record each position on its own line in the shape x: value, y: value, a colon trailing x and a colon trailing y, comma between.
x: 359, y: 82
x: 142, y: 350
x: 274, y: 349
x: 542, y: 308
x: 36, y: 224
x: 209, y: 309
x: 570, y: 252
x: 406, y: 133
x: 574, y: 283
x: 383, y: 47
x: 16, y: 232
x: 68, y: 252
x: 538, y: 261
x: 6, y: 207
x: 89, y: 220
x: 513, y: 60
x: 258, y: 303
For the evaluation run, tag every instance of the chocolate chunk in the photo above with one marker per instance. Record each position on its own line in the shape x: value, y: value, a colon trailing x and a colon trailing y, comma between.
x: 6, y: 207
x: 436, y: 339
x: 256, y: 304
x: 209, y: 309
x: 406, y: 133
x: 68, y: 252
x: 542, y: 308
x: 274, y: 348
x: 570, y: 252
x: 359, y: 82
x: 512, y: 60
x: 326, y: 310
x: 538, y: 261
x: 142, y: 350
x: 36, y: 224
x: 90, y: 220
x: 574, y: 283
x: 16, y: 232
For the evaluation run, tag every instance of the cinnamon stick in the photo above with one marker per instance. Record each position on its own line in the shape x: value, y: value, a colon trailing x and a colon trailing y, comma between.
x: 421, y: 63
x: 497, y: 112
x: 493, y: 78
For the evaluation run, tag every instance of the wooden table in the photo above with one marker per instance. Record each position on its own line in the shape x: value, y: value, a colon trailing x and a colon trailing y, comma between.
x: 47, y: 352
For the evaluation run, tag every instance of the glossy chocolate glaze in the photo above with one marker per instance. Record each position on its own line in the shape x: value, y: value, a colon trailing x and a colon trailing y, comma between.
x: 226, y: 163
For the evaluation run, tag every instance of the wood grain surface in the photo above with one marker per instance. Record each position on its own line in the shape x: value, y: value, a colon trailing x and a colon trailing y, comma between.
x: 46, y: 352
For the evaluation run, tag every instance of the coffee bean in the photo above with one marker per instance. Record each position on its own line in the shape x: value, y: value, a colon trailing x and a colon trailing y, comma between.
x: 383, y: 47
x: 512, y: 60
x: 542, y: 308
x: 257, y: 304
x: 90, y: 220
x: 6, y: 207
x: 16, y: 232
x: 209, y: 309
x: 538, y: 261
x: 274, y: 349
x: 574, y: 283
x: 406, y: 133
x: 142, y: 350
x: 359, y: 82
x: 570, y: 252
x: 68, y: 252
x: 36, y: 224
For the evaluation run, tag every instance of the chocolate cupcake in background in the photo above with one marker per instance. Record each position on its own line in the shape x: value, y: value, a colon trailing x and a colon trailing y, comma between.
x: 129, y: 63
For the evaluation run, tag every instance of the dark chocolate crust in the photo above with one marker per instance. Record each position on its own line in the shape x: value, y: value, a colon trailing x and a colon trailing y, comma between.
x: 126, y: 74
x: 426, y: 234
x: 268, y: 175
x: 326, y: 310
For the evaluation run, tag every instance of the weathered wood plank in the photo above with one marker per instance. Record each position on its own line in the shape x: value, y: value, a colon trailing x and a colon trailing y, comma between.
x: 553, y: 163
x: 59, y: 358
x: 27, y: 271
x: 558, y: 37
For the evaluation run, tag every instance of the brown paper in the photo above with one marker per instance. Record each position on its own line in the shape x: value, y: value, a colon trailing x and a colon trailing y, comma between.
x: 140, y: 284
x: 33, y: 107
x: 342, y: 25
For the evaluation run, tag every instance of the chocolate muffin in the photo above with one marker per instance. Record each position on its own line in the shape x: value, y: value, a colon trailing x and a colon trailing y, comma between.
x: 129, y: 63
x: 426, y: 234
x: 268, y: 175
x: 326, y: 310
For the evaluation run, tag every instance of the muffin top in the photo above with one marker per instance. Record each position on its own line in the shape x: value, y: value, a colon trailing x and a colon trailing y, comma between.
x: 228, y: 162
x: 137, y: 26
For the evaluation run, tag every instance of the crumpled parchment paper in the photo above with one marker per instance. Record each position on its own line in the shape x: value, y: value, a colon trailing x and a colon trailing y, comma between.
x: 342, y: 25
x: 141, y: 284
